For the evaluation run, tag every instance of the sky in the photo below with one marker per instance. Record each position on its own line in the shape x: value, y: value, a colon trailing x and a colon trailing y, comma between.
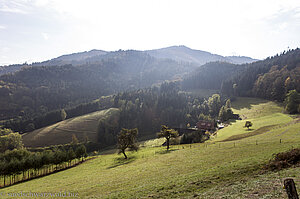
x: 38, y: 30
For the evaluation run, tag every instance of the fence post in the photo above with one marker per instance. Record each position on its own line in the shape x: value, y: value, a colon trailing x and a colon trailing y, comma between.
x: 290, y: 188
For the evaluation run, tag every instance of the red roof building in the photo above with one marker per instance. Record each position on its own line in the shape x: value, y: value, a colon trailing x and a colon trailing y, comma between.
x: 205, y: 125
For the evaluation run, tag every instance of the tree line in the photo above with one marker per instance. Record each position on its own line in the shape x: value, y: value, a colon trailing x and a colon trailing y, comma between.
x: 20, y: 164
x: 17, y: 163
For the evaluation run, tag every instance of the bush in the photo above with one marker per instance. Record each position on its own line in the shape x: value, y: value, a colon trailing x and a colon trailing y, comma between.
x: 194, y: 137
x: 284, y: 160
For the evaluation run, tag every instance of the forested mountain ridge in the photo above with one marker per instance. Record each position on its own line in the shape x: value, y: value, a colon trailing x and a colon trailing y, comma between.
x: 270, y: 79
x: 211, y: 75
x: 176, y: 53
x: 36, y: 93
x: 11, y: 68
x: 36, y: 89
x: 185, y: 54
x: 74, y: 58
x: 241, y: 59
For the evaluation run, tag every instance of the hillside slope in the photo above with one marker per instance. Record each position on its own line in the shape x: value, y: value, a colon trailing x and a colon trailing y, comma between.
x: 40, y: 88
x: 61, y: 132
x: 229, y: 169
x: 270, y: 79
x: 74, y: 58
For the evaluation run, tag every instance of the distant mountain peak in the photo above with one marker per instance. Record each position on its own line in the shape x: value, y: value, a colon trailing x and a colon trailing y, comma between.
x: 186, y: 54
x: 179, y: 53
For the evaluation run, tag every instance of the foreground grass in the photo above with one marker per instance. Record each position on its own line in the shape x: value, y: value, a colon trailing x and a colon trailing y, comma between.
x: 217, y: 169
x: 194, y: 170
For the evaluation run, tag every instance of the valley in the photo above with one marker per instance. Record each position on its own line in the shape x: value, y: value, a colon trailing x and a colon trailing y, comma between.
x: 83, y: 107
x: 203, y: 170
x: 149, y: 99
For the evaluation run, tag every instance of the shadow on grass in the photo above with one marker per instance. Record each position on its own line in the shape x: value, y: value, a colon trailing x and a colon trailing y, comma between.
x: 119, y: 161
x: 165, y: 151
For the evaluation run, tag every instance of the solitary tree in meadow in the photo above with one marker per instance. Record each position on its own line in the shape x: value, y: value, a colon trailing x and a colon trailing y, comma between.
x: 127, y: 139
x: 167, y: 133
x: 248, y: 124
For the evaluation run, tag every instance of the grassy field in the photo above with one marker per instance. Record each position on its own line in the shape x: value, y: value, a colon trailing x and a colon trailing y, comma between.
x: 254, y: 108
x: 264, y: 115
x: 61, y: 132
x: 217, y: 169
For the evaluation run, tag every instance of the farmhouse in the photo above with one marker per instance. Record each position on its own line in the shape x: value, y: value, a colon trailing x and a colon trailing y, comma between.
x: 205, y: 125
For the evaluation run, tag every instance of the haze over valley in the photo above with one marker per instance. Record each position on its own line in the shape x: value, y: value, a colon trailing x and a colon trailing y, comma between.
x: 160, y: 99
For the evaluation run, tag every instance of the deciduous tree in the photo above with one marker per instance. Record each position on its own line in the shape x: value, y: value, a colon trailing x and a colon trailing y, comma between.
x: 248, y: 124
x: 127, y: 139
x: 167, y: 133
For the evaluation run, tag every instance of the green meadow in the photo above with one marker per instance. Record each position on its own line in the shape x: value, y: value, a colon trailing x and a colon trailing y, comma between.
x: 228, y: 166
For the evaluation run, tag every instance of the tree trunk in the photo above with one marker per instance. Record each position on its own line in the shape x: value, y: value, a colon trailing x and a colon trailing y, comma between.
x: 123, y: 151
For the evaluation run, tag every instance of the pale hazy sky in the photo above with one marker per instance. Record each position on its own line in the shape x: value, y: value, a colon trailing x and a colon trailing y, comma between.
x: 37, y: 30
